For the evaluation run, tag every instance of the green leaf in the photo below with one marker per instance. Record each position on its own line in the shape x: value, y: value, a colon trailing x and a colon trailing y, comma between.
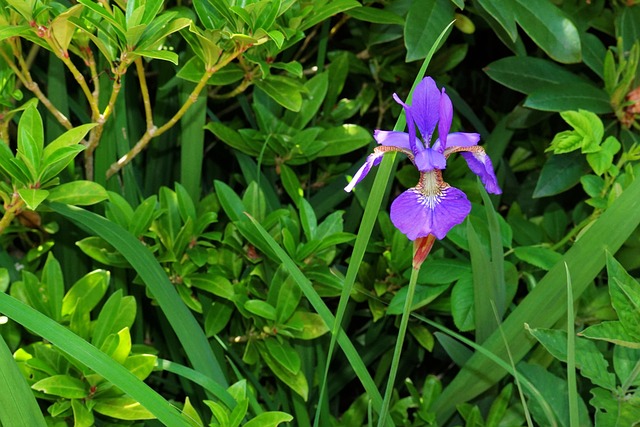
x: 100, y: 250
x: 284, y: 354
x: 33, y: 197
x: 215, y: 284
x: 297, y: 382
x: 261, y: 308
x: 426, y: 20
x: 592, y: 185
x: 422, y: 297
x: 324, y: 10
x: 122, y: 408
x: 343, y: 139
x: 117, y: 313
x: 30, y: 140
x: 18, y: 405
x: 588, y: 126
x: 611, y: 411
x: 625, y: 296
x: 628, y: 26
x: 538, y: 256
x: 589, y: 359
x: 306, y: 326
x: 289, y: 297
x: 269, y: 419
x: 528, y: 74
x: 571, y: 96
x: 316, y: 90
x: 284, y: 90
x: 560, y: 173
x: 82, y: 416
x: 611, y: 331
x: 164, y: 55
x: 462, y: 304
x: 89, y: 289
x: 63, y: 386
x: 550, y: 29
x: 78, y: 193
x: 602, y: 160
x: 376, y: 16
x: 140, y: 365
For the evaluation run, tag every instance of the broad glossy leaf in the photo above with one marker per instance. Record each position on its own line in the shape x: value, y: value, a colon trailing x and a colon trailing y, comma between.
x: 325, y: 9
x: 550, y: 29
x: 82, y: 416
x: 216, y: 285
x: 504, y: 16
x: 117, y: 313
x: 593, y: 53
x: 375, y: 15
x: 63, y: 386
x: 611, y: 411
x: 560, y: 173
x: 164, y: 55
x: 269, y: 419
x: 284, y: 90
x: 529, y: 74
x: 423, y: 296
x: 571, y: 96
x: 30, y: 140
x: 140, y: 365
x: 344, y: 139
x: 628, y: 26
x: 98, y: 249
x: 316, y: 89
x: 462, y: 304
x: 538, y: 256
x: 261, y: 308
x: 284, y: 353
x: 122, y: 408
x: 426, y: 20
x: 297, y: 382
x: 33, y: 197
x: 306, y: 326
x: 79, y: 193
x: 89, y: 289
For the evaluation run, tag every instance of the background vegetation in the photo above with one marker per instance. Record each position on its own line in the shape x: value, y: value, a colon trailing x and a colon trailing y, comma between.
x: 177, y: 248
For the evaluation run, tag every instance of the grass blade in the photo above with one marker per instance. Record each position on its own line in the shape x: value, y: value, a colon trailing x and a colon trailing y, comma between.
x: 544, y: 306
x: 189, y: 332
x: 192, y: 137
x: 18, y: 406
x: 572, y: 384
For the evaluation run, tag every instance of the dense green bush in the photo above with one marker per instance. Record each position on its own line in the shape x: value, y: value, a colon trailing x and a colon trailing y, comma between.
x: 178, y: 248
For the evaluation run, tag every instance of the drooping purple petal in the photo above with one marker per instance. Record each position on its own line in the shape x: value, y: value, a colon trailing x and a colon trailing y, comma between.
x: 460, y: 139
x: 446, y: 116
x: 392, y: 138
x: 417, y: 214
x: 373, y: 159
x: 429, y: 159
x: 425, y: 106
x: 481, y: 165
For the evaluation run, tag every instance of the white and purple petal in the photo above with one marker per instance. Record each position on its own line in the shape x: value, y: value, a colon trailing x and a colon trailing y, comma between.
x: 418, y: 214
x: 459, y: 139
x: 425, y: 106
x: 481, y: 165
x: 392, y: 139
x: 373, y: 159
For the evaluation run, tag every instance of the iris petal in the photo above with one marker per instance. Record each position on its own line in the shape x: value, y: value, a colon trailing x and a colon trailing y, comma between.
x: 417, y: 214
x: 429, y: 159
x: 425, y: 107
x: 373, y: 159
x: 392, y: 138
x: 445, y: 118
x: 481, y: 165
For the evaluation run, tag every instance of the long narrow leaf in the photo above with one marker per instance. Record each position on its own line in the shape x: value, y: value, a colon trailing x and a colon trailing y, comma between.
x: 90, y: 356
x: 18, y: 406
x: 544, y: 306
x: 189, y: 332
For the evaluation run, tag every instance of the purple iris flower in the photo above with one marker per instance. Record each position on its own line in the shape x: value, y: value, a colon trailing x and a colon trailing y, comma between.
x: 432, y: 206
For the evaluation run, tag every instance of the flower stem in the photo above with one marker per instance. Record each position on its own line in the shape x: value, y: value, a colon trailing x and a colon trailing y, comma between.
x: 404, y: 322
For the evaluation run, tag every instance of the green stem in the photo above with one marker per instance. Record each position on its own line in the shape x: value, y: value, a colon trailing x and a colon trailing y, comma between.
x: 404, y: 322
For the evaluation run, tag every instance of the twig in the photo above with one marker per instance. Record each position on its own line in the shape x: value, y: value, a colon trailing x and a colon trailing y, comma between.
x: 145, y: 93
x: 10, y: 211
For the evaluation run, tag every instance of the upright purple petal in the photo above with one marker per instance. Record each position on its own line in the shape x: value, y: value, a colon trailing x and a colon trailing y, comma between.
x: 481, y: 165
x: 392, y: 138
x: 425, y: 105
x: 373, y: 159
x: 429, y: 160
x: 446, y: 116
x: 417, y: 214
x: 415, y: 146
